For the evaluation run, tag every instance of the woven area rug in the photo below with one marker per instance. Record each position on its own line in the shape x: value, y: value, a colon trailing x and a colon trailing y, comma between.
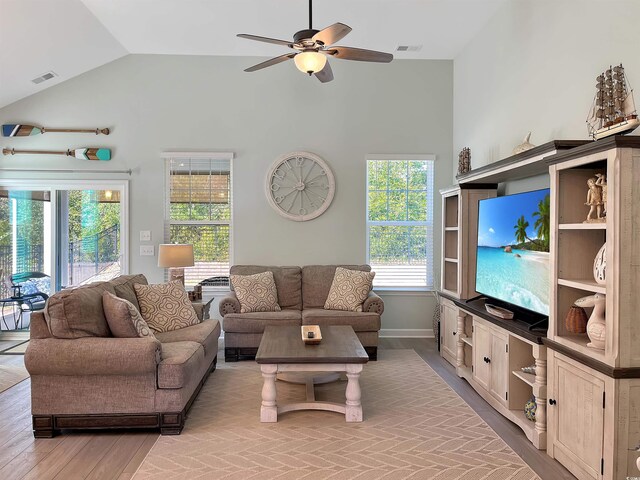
x: 415, y: 427
x: 11, y: 375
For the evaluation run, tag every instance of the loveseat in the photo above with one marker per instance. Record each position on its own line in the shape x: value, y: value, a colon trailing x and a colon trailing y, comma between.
x: 84, y: 378
x: 302, y: 293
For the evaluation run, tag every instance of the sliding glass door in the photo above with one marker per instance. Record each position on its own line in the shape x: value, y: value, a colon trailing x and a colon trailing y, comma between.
x: 58, y: 235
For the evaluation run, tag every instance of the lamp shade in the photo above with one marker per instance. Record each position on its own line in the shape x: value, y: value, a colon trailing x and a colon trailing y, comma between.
x: 175, y: 255
x: 310, y: 62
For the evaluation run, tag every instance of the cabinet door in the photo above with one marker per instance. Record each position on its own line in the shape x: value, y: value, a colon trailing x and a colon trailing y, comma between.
x: 499, y: 363
x: 448, y: 335
x: 481, y: 353
x: 576, y: 417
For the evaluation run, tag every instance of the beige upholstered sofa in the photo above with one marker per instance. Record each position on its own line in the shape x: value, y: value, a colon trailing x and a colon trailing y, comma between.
x: 302, y: 293
x: 82, y: 377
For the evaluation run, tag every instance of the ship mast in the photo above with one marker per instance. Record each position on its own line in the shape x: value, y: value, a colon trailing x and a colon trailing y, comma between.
x: 600, y: 101
x: 619, y: 93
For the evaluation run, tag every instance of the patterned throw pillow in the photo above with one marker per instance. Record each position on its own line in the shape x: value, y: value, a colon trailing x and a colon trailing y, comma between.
x: 256, y: 293
x: 350, y: 288
x: 123, y: 318
x: 165, y: 306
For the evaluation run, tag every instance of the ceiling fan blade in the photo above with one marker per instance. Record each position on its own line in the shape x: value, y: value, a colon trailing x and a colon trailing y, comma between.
x: 266, y: 39
x: 332, y: 34
x: 326, y: 74
x: 360, y: 54
x: 273, y: 61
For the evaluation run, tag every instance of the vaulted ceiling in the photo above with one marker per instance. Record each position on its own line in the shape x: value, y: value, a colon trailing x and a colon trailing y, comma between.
x: 70, y: 37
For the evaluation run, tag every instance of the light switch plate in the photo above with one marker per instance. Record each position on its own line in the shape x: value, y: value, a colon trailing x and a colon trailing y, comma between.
x: 147, y: 250
x: 145, y: 235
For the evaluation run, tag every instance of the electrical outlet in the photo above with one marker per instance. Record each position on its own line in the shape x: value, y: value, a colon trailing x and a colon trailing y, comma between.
x: 145, y: 235
x: 147, y: 250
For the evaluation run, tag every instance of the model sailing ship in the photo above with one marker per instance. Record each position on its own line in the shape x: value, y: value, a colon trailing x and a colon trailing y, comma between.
x: 613, y: 111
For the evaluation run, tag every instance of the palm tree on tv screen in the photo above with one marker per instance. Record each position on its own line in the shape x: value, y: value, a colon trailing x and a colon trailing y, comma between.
x: 542, y: 222
x: 521, y: 230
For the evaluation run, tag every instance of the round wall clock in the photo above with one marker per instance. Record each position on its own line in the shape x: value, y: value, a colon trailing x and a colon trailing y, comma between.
x: 300, y: 186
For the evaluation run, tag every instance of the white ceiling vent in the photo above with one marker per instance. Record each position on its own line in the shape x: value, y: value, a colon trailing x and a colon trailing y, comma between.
x: 44, y: 77
x: 409, y: 48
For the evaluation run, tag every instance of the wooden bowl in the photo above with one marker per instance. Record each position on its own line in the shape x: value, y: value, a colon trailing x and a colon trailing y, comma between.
x: 316, y: 334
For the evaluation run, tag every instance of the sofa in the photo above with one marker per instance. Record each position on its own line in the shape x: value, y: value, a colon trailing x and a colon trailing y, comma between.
x: 302, y: 293
x: 84, y: 378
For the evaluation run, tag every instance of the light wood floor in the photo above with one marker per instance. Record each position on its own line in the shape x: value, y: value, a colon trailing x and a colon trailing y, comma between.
x: 108, y: 455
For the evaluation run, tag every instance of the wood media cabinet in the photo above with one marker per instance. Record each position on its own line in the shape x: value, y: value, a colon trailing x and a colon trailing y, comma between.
x: 588, y: 400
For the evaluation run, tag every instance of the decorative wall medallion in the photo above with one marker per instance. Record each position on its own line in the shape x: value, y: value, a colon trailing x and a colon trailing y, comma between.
x: 600, y: 266
x: 300, y: 186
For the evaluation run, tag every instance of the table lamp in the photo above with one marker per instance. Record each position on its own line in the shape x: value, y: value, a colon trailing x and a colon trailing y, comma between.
x: 175, y: 257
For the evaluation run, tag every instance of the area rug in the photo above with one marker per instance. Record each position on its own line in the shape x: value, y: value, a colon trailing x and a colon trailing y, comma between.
x: 11, y: 375
x: 415, y: 427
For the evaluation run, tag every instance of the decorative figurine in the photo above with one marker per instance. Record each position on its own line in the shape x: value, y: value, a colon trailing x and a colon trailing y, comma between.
x: 596, y: 327
x: 464, y: 161
x: 524, y: 146
x: 602, y: 183
x: 594, y: 201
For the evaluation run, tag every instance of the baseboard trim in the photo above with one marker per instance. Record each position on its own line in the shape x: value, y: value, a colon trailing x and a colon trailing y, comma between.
x: 406, y: 333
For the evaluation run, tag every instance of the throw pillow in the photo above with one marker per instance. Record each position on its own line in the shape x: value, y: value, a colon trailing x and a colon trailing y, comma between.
x: 123, y: 318
x: 256, y: 293
x: 165, y: 306
x: 349, y: 290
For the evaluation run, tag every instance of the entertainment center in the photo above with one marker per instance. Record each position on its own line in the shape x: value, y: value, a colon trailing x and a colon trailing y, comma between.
x: 587, y: 400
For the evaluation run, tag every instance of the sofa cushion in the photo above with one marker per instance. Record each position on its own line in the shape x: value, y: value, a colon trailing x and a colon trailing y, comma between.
x: 123, y: 285
x: 77, y: 312
x: 256, y: 321
x: 180, y: 361
x: 288, y: 282
x: 165, y: 306
x: 256, y: 293
x: 205, y: 333
x: 360, y: 321
x: 349, y: 289
x: 316, y: 282
x: 123, y: 318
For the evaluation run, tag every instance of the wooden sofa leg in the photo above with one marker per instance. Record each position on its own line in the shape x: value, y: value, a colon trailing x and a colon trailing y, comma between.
x: 372, y: 352
x: 43, y: 426
x: 171, y: 423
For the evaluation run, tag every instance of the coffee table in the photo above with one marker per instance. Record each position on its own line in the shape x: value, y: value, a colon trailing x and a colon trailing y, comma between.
x: 283, y: 351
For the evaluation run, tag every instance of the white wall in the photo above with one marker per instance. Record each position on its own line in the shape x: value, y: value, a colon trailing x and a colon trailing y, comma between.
x: 155, y: 103
x: 533, y: 68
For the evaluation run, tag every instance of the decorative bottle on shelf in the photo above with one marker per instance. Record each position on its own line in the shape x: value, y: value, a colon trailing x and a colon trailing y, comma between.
x: 596, y: 326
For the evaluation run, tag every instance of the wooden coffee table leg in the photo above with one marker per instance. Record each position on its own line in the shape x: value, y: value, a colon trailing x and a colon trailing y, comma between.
x: 269, y: 408
x: 353, y: 411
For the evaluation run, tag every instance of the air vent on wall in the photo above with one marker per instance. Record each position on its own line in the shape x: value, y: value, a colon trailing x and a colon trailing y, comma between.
x: 44, y: 77
x: 409, y: 48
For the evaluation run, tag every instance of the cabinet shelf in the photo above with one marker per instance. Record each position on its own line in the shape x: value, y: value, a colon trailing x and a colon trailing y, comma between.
x: 528, y: 378
x: 582, y: 226
x: 586, y: 284
x: 579, y: 343
x: 467, y: 340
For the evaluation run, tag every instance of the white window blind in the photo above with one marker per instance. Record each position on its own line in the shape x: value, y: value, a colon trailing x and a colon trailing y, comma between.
x: 400, y: 221
x: 198, y: 211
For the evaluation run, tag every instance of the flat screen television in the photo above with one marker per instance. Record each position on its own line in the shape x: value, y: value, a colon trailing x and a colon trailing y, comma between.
x: 512, y: 261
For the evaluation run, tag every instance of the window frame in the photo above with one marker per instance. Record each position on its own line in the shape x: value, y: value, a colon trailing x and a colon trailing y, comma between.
x: 186, y: 155
x: 418, y: 290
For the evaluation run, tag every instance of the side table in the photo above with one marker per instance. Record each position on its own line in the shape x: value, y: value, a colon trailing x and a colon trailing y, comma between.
x: 202, y: 308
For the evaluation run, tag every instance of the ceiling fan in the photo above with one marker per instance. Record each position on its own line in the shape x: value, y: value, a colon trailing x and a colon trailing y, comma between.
x: 314, y: 46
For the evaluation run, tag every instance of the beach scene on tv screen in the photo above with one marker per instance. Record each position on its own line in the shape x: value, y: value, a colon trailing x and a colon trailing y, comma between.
x: 513, y: 249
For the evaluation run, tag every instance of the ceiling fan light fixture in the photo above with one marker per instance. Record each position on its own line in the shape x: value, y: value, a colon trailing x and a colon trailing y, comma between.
x: 310, y: 62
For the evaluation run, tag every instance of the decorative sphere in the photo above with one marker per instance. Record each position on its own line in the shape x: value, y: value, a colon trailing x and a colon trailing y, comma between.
x: 530, y: 409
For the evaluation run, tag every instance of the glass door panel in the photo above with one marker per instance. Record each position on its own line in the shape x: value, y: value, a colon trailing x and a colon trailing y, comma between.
x: 25, y: 253
x: 88, y: 236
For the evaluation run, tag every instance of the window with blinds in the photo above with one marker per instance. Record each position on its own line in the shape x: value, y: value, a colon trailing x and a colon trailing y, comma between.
x: 400, y: 221
x: 198, y: 211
